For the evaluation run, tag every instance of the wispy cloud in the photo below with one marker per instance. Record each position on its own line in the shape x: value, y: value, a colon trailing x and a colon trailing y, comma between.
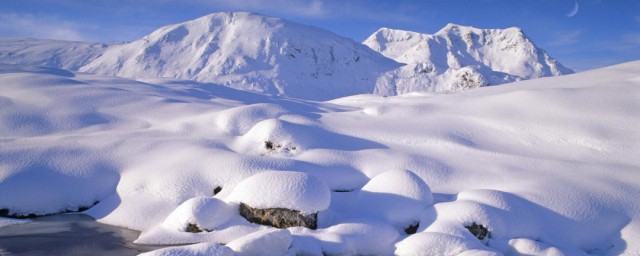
x: 638, y: 19
x: 310, y: 8
x: 48, y: 27
x: 566, y: 38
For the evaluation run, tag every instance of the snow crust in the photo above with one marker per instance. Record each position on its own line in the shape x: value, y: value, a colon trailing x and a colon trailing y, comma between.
x: 547, y: 165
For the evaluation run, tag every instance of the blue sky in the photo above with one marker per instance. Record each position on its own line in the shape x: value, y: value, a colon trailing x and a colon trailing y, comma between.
x: 602, y: 33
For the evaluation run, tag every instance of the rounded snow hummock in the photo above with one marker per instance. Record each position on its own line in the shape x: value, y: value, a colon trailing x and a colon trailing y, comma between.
x: 396, y: 196
x: 283, y: 189
x: 200, y: 213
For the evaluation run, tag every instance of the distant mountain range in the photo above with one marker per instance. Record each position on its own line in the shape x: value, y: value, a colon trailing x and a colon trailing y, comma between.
x: 274, y: 56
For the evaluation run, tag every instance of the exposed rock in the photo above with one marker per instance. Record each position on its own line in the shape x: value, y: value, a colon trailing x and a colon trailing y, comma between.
x: 193, y: 228
x: 412, y: 229
x: 478, y: 231
x: 217, y: 190
x: 278, y: 217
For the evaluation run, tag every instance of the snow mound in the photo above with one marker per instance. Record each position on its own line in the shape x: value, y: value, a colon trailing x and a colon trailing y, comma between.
x: 363, y: 238
x: 264, y: 242
x: 201, y: 249
x: 239, y: 120
x: 205, y: 212
x: 430, y: 243
x: 283, y: 189
x: 524, y: 246
x: 459, y: 58
x: 396, y: 196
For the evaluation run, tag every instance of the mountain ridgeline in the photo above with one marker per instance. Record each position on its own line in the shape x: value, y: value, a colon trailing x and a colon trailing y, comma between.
x: 274, y: 56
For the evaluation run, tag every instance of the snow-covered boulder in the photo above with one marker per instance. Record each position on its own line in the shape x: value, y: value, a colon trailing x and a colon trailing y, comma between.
x: 282, y: 198
x: 395, y: 196
x: 200, y: 213
x: 264, y: 242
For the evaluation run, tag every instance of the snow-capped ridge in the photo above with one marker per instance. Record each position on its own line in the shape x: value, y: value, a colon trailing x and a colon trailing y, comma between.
x: 459, y: 57
x: 250, y: 52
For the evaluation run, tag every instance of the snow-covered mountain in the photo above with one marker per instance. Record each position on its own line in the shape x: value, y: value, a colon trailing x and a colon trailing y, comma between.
x: 49, y: 53
x: 458, y: 58
x: 250, y: 52
x: 274, y: 56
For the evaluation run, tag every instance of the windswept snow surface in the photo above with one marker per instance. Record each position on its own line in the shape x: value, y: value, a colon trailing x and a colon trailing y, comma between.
x: 459, y: 58
x: 549, y: 166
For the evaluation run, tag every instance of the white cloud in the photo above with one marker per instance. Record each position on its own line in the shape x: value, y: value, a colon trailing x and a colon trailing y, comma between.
x: 566, y: 38
x: 310, y: 8
x: 47, y: 27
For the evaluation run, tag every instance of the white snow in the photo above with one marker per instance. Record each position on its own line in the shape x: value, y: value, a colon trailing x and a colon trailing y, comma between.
x: 396, y: 196
x: 206, y: 213
x: 201, y: 249
x: 547, y: 165
x: 458, y: 58
x: 283, y: 189
x: 266, y: 242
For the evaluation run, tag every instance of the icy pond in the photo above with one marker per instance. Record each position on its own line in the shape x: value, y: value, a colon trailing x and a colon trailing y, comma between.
x: 68, y: 234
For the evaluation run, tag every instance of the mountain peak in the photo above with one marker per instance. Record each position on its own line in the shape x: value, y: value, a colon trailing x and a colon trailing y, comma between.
x: 459, y: 57
x: 252, y: 52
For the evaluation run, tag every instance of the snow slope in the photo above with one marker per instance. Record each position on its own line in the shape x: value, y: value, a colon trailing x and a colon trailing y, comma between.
x: 547, y: 165
x: 250, y: 52
x: 49, y: 53
x: 459, y: 58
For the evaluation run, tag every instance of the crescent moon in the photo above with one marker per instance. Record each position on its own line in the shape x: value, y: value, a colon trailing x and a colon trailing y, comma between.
x: 574, y: 11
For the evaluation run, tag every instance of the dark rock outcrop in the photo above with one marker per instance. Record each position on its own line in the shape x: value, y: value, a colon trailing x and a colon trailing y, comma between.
x: 278, y: 217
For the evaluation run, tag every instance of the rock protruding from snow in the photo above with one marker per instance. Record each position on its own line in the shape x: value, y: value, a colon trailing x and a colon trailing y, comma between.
x: 250, y: 52
x: 458, y: 58
x: 283, y: 189
x: 279, y: 217
x: 205, y: 213
x: 395, y: 196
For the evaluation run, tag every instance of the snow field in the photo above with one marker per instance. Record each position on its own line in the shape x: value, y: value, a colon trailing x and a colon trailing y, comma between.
x: 548, y: 166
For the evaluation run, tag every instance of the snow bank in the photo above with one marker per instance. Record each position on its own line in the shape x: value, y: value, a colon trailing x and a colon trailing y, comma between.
x: 283, y: 189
